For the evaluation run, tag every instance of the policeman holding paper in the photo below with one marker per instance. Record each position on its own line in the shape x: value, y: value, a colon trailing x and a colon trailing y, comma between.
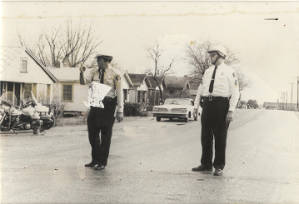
x: 103, y: 110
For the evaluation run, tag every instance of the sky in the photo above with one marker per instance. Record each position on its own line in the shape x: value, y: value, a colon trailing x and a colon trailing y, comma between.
x: 267, y: 49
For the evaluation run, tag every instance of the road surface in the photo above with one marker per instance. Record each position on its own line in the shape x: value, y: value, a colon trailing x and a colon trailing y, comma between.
x: 150, y: 162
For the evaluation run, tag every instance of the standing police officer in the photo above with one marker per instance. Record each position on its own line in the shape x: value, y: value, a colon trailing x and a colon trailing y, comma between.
x: 218, y: 95
x: 101, y: 118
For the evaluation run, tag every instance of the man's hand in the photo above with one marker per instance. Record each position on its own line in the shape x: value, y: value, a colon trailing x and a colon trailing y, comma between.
x: 201, y: 102
x: 119, y: 116
x: 229, y: 117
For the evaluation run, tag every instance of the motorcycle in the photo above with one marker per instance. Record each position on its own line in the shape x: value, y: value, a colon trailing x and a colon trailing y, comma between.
x: 14, y: 118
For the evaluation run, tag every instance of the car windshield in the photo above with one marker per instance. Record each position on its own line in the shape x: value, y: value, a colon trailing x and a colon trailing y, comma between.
x: 177, y: 101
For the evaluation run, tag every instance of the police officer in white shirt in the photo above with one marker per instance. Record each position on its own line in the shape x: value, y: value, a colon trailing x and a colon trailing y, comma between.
x: 102, y: 114
x: 218, y: 95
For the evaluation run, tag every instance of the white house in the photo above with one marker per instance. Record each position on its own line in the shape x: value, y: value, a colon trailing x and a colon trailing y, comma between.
x: 21, y: 73
x: 68, y: 91
x: 138, y: 93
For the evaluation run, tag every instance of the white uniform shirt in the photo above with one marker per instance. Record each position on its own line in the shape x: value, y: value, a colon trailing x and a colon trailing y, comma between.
x: 111, y: 78
x: 225, y: 85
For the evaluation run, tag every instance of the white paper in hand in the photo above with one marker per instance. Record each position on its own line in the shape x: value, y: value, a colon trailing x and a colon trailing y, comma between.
x: 96, y: 94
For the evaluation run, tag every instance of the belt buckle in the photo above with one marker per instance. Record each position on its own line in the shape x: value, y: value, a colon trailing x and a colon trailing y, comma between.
x: 210, y: 97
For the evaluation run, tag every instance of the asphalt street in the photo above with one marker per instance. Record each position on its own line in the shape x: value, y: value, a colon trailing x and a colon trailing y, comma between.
x: 150, y: 162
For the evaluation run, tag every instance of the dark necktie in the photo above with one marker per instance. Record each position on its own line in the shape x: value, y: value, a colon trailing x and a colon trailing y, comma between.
x: 212, y: 80
x: 101, y: 75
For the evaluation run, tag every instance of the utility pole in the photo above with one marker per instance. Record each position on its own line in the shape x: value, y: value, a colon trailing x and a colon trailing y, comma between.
x: 291, y: 97
x: 282, y: 99
x: 297, y: 93
x: 292, y: 84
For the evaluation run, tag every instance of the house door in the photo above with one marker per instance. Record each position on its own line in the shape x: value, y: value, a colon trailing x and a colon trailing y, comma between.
x: 17, y: 93
x: 2, y: 88
x: 27, y: 91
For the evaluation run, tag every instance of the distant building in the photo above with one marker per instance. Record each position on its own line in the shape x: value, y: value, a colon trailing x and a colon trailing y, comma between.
x: 138, y: 92
x: 194, y: 84
x: 280, y: 106
x: 153, y: 90
x: 176, y: 87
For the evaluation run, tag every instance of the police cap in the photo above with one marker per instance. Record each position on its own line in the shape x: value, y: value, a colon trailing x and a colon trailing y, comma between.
x: 106, y: 58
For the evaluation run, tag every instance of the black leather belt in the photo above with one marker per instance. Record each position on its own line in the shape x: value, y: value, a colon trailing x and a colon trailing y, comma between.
x: 215, y: 98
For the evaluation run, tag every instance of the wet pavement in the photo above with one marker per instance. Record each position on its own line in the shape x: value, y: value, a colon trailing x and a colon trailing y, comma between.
x: 150, y: 162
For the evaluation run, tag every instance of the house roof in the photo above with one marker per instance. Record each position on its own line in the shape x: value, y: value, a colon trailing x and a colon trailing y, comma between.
x: 66, y: 74
x: 151, y: 83
x: 175, y: 82
x: 41, y: 66
x: 137, y: 79
x: 10, y: 62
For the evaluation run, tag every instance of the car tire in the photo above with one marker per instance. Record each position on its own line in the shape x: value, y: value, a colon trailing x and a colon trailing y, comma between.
x: 158, y: 119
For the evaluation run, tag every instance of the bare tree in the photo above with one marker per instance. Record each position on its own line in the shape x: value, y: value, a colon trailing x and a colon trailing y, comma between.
x: 79, y: 45
x: 242, y: 78
x: 158, y: 72
x: 72, y: 47
x: 198, y: 57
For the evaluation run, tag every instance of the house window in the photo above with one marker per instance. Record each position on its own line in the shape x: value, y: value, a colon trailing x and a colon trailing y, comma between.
x: 139, y: 96
x: 67, y: 92
x: 2, y: 88
x: 23, y: 65
x: 27, y: 90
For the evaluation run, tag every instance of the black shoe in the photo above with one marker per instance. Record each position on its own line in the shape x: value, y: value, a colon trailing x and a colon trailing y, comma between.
x: 218, y: 172
x: 202, y: 168
x: 99, y: 167
x: 91, y: 164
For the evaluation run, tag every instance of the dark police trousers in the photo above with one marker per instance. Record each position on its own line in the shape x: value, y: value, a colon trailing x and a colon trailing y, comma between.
x: 100, y: 122
x: 213, y: 121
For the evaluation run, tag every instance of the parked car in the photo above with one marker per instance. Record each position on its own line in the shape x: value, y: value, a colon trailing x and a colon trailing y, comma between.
x: 181, y: 108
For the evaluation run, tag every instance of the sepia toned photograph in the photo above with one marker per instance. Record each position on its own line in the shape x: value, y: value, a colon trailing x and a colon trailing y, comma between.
x: 149, y: 102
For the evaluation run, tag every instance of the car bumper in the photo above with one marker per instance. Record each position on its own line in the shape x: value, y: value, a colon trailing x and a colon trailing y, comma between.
x: 170, y: 115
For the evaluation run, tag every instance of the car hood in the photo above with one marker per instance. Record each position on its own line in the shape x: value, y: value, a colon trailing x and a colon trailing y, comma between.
x: 170, y: 106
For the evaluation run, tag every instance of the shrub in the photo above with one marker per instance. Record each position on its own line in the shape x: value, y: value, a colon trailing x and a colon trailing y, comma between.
x: 57, y: 109
x: 132, y: 109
